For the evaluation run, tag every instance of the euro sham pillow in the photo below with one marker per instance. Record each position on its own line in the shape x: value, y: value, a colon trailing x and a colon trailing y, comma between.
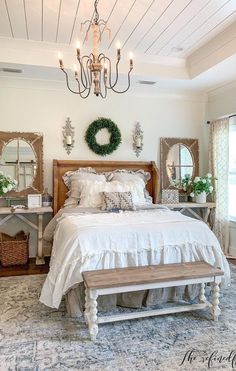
x: 85, y: 170
x: 91, y: 193
x: 77, y: 182
x: 72, y: 180
x: 123, y: 175
x: 117, y: 201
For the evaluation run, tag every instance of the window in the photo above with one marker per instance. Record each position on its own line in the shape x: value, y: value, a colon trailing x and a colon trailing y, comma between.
x: 232, y: 169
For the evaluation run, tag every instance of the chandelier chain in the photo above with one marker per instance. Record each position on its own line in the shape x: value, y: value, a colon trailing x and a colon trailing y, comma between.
x: 96, y: 18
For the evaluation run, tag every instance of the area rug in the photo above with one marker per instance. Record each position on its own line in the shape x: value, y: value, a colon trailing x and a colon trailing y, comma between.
x: 34, y: 337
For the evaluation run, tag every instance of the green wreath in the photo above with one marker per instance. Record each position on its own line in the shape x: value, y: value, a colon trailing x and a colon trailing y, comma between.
x: 93, y: 129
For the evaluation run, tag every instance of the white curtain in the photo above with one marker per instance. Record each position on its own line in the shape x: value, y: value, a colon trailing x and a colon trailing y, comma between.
x: 219, y: 167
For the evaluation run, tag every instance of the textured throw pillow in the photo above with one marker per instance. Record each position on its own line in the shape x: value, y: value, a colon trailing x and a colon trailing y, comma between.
x: 91, y: 192
x: 117, y: 200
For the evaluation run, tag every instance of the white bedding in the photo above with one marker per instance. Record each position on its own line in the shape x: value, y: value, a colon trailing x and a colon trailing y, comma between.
x: 111, y: 240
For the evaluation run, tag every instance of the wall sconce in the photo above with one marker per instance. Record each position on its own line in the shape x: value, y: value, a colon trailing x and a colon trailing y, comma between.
x: 138, y: 139
x: 68, y: 136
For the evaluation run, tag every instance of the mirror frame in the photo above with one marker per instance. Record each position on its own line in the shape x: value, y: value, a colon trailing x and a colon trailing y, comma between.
x: 35, y: 140
x: 166, y: 144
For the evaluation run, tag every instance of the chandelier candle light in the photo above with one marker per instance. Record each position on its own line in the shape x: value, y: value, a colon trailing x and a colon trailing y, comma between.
x: 96, y: 68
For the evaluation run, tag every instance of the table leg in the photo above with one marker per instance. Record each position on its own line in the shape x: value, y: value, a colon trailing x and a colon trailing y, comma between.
x: 206, y: 215
x: 40, y: 258
x: 212, y: 218
x: 215, y: 309
x: 92, y: 315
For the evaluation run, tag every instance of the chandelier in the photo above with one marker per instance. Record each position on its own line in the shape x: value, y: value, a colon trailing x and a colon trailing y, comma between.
x: 95, y: 69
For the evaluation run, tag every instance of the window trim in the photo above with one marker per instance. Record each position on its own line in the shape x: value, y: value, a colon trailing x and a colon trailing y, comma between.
x: 232, y: 129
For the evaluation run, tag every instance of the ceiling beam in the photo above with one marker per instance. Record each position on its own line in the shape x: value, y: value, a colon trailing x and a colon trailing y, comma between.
x: 213, y: 52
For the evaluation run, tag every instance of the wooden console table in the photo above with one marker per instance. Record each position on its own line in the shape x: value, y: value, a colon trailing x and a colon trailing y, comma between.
x: 20, y: 214
x: 207, y: 208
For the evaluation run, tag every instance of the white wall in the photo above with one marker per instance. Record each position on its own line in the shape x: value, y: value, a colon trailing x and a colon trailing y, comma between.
x: 43, y: 107
x: 222, y: 102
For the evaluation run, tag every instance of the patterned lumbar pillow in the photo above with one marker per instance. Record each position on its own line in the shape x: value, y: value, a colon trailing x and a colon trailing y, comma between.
x: 117, y: 201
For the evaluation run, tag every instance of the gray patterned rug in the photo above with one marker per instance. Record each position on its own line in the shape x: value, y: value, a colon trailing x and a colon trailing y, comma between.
x: 34, y: 337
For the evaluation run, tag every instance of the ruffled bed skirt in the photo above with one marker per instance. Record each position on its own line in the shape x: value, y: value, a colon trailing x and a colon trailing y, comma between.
x: 87, y: 242
x: 75, y: 298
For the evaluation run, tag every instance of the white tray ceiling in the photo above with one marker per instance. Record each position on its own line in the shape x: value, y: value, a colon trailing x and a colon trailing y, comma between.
x: 162, y: 32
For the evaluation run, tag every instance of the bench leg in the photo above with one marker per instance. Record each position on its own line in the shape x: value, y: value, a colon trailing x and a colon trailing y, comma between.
x: 86, y: 312
x: 215, y: 309
x: 92, y: 314
x: 202, y: 297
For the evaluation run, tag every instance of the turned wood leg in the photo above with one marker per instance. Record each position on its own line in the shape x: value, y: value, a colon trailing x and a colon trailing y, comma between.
x: 40, y: 258
x: 212, y: 218
x: 206, y: 215
x: 215, y: 309
x: 202, y: 297
x: 86, y: 312
x: 92, y: 317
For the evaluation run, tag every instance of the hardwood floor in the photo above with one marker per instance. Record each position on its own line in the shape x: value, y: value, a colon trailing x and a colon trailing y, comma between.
x: 32, y: 268
x: 21, y: 270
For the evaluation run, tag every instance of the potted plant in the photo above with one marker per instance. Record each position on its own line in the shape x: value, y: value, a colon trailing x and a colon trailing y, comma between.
x: 201, y: 187
x: 7, y: 184
x: 185, y: 184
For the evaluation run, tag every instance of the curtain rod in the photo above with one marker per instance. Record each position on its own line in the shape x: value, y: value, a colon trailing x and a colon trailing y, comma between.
x: 208, y: 122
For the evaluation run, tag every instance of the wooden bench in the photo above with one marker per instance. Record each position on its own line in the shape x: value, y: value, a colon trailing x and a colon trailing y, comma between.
x: 111, y: 281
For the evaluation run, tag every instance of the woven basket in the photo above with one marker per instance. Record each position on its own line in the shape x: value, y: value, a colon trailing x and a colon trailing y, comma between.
x: 14, y: 250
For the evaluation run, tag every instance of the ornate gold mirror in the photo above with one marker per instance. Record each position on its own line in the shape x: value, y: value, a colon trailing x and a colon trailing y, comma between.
x: 179, y: 157
x: 21, y: 157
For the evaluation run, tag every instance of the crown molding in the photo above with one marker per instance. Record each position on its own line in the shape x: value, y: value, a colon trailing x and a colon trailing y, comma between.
x: 223, y: 89
x: 213, y: 52
x: 137, y: 91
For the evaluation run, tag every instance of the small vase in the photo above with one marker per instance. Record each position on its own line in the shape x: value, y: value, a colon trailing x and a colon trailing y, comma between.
x: 201, y: 198
x: 46, y: 198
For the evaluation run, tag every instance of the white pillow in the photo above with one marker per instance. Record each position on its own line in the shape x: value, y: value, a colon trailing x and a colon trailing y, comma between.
x: 124, y: 175
x: 72, y: 181
x: 76, y: 179
x: 67, y: 176
x: 71, y: 202
x: 91, y: 192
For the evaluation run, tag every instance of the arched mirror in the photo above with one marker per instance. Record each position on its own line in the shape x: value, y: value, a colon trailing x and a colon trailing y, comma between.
x: 179, y: 162
x: 179, y: 157
x: 21, y: 158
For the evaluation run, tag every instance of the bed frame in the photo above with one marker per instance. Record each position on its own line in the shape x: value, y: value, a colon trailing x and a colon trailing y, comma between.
x: 60, y: 167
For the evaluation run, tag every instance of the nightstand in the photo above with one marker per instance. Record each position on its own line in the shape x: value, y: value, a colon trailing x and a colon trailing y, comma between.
x: 207, y: 209
x: 21, y: 214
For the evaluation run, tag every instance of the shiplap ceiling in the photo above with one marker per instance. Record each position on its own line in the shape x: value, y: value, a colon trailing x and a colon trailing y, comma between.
x: 180, y: 43
x: 150, y: 27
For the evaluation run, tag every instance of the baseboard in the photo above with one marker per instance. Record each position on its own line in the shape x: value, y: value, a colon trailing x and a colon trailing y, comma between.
x: 232, y: 251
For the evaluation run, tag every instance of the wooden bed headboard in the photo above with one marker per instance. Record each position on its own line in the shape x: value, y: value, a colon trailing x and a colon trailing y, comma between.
x: 60, y: 167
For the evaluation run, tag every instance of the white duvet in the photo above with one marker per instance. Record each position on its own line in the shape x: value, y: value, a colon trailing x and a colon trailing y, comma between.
x: 111, y: 240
